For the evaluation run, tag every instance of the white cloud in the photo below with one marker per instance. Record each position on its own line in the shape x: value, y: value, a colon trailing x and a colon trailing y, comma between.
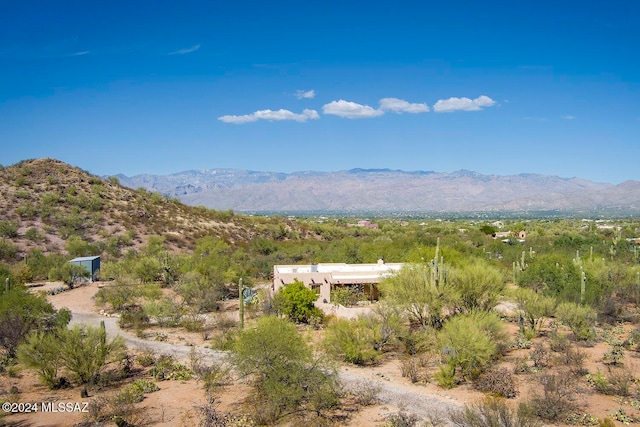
x: 401, y: 106
x: 308, y: 94
x: 350, y: 110
x: 569, y: 117
x: 185, y: 51
x: 463, y: 104
x: 271, y: 115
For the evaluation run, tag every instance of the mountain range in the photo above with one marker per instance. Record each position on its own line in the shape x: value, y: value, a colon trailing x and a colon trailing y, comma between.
x: 388, y: 191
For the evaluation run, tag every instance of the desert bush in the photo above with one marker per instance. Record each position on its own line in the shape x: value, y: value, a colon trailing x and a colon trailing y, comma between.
x: 200, y: 293
x: 296, y: 301
x: 574, y: 359
x: 580, y: 319
x: 632, y: 342
x: 166, y: 368
x: 469, y: 342
x: 479, y: 284
x: 534, y: 308
x: 134, y: 317
x: 521, y: 366
x: 618, y: 382
x: 117, y: 296
x: 85, y: 351
x: 227, y: 327
x: 144, y: 386
x: 347, y: 296
x: 165, y: 311
x: 146, y: 359
x: 445, y: 376
x: 9, y: 229
x: 558, y: 342
x: 366, y: 393
x: 119, y: 409
x: 419, y: 290
x: 352, y: 341
x: 498, y: 381
x: 8, y: 250
x: 34, y: 235
x: 401, y: 419
x: 212, y: 375
x: 540, y: 356
x: 417, y: 341
x: 410, y: 368
x: 615, y: 354
x: 557, y: 399
x: 21, y: 313
x: 40, y: 352
x: 493, y: 413
x: 288, y: 376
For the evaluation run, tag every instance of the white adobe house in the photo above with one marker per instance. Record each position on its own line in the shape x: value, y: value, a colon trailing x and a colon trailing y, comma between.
x: 323, y: 277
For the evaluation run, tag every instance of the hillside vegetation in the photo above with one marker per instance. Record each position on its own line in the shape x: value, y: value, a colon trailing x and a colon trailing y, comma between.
x: 565, y: 337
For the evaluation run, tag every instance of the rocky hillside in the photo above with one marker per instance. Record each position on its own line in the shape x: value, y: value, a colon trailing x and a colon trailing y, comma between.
x: 44, y: 202
x: 383, y: 190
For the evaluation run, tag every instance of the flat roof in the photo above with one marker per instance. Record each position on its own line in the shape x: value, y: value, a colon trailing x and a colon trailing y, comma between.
x: 85, y: 258
x: 339, y: 268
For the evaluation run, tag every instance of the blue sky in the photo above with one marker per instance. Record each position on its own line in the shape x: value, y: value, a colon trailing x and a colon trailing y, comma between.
x: 499, y: 87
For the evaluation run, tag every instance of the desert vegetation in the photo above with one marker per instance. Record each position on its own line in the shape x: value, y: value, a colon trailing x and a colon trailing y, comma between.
x: 534, y: 331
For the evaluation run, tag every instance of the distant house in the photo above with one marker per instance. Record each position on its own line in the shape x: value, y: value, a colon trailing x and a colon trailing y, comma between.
x: 366, y: 223
x: 91, y: 264
x: 506, y: 235
x: 322, y: 278
x: 501, y: 235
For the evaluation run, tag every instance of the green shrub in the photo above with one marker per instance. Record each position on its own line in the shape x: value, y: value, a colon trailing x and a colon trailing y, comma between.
x: 445, y: 376
x: 352, y: 341
x: 40, y: 352
x: 144, y: 385
x: 469, y: 342
x: 296, y: 301
x: 493, y: 413
x: 85, y: 351
x: 288, y: 376
x: 580, y: 319
x: 9, y: 229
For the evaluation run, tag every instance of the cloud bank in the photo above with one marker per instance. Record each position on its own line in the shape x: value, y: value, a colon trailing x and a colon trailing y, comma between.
x: 353, y: 110
x: 350, y: 110
x: 463, y: 104
x: 271, y: 115
x: 401, y: 106
x: 305, y: 94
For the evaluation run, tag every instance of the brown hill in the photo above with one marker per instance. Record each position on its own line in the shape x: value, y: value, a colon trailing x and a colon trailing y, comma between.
x: 43, y: 202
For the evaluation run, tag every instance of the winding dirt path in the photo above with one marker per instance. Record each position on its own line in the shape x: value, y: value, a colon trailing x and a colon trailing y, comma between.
x: 411, y: 398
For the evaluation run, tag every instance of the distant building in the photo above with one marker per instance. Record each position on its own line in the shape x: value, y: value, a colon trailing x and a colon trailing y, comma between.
x: 366, y: 223
x: 322, y: 278
x: 91, y: 264
x: 506, y: 235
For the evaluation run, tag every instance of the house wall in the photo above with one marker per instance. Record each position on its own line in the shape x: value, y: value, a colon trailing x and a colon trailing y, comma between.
x: 322, y: 277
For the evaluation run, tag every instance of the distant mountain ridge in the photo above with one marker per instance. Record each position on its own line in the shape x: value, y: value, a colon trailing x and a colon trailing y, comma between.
x: 387, y: 190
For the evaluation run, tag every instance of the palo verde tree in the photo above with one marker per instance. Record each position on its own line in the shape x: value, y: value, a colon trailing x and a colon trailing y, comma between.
x: 479, y: 285
x: 287, y: 375
x: 21, y: 313
x: 424, y: 293
x: 86, y: 350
